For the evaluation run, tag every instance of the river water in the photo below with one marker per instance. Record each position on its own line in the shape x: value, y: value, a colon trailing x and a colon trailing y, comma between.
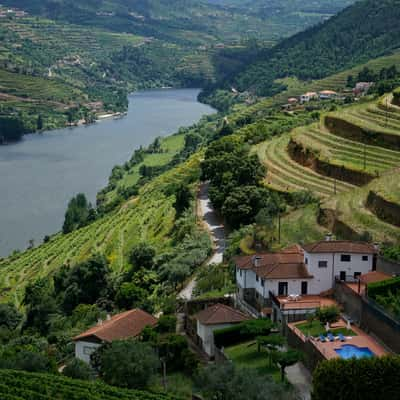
x: 41, y: 173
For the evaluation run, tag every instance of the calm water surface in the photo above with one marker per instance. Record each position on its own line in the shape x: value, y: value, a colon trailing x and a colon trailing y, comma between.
x: 40, y: 174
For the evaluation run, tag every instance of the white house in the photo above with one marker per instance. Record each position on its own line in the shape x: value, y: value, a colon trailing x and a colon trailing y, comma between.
x: 215, y: 317
x: 301, y: 271
x: 126, y: 325
x: 306, y: 97
x: 327, y: 94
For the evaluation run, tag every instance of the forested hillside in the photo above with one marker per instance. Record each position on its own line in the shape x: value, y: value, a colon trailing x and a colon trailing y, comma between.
x: 366, y: 30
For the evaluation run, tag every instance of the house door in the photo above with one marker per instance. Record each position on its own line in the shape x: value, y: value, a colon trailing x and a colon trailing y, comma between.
x: 282, y: 289
x: 304, y: 287
x: 343, y: 276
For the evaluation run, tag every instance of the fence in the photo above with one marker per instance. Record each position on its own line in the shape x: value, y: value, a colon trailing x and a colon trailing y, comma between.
x: 388, y: 267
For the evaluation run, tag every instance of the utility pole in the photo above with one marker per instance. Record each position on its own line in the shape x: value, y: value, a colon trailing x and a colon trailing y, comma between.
x: 279, y: 226
x: 334, y: 185
x: 387, y: 110
x: 365, y: 156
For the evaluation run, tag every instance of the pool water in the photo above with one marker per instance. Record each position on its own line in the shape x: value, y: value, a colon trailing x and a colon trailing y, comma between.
x: 349, y: 351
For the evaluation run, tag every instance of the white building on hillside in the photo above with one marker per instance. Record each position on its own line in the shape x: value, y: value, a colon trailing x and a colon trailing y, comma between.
x: 301, y: 271
x: 215, y: 317
x: 128, y: 324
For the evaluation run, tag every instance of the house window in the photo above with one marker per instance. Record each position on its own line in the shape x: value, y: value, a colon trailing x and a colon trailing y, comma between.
x: 256, y: 278
x: 345, y: 258
x: 365, y: 258
x: 240, y: 272
x: 306, y: 261
x: 282, y: 289
x: 322, y: 264
x: 87, y: 351
x: 262, y: 282
x: 304, y: 287
x: 357, y: 275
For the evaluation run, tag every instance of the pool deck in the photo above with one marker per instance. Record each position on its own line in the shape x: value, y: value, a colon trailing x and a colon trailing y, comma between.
x: 327, y: 349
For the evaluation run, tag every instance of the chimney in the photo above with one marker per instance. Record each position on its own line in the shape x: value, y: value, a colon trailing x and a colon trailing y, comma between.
x: 328, y: 237
x: 256, y: 261
x: 99, y: 322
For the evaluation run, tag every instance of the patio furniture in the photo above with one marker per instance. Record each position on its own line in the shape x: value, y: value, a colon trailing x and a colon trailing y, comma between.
x: 322, y: 338
x: 331, y: 337
x: 341, y: 338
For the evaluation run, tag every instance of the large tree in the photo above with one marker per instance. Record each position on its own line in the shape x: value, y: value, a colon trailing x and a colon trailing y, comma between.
x: 126, y: 363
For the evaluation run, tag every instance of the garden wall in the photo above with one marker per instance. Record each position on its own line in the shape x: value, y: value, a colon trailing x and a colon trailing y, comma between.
x: 371, y: 317
x: 388, y: 267
x: 383, y: 209
x: 349, y: 130
x: 311, y: 354
x: 350, y: 301
x: 307, y: 158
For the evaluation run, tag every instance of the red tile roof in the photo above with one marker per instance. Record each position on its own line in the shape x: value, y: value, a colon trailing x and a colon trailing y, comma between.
x: 340, y: 246
x: 286, y: 264
x: 220, y: 314
x: 121, y: 326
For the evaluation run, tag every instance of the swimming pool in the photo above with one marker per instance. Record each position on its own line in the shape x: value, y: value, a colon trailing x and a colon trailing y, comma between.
x: 350, y: 351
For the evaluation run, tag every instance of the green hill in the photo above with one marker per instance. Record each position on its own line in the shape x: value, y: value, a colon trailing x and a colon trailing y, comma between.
x: 18, y: 385
x: 361, y: 32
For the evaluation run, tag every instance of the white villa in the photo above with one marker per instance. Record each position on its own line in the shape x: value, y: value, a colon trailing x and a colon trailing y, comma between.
x: 304, y: 273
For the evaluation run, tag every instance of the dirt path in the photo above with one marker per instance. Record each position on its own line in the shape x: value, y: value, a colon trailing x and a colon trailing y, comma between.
x: 213, y: 224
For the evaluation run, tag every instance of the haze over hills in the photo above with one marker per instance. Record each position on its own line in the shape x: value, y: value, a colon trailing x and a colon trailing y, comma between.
x: 365, y: 30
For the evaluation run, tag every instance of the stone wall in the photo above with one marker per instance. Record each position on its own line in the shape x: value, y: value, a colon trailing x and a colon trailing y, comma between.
x: 388, y: 267
x: 350, y: 301
x: 307, y: 158
x: 383, y: 209
x: 351, y: 131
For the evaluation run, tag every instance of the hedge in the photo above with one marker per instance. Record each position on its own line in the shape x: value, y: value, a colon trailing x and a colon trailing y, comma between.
x: 382, y: 288
x: 357, y: 379
x: 396, y: 97
x: 242, y: 332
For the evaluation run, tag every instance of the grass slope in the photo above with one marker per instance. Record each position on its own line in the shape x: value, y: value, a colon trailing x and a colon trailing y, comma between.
x: 149, y: 217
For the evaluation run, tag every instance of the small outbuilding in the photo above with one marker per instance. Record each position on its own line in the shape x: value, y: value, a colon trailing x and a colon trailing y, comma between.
x: 216, y: 317
x: 128, y: 324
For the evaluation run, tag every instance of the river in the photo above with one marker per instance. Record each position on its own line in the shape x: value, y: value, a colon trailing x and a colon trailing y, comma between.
x: 41, y: 173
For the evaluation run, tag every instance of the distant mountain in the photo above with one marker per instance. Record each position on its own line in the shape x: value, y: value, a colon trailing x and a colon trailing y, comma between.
x: 366, y: 30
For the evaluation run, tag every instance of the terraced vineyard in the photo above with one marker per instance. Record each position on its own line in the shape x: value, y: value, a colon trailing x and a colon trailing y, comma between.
x: 19, y: 385
x: 286, y: 175
x: 340, y: 151
x: 150, y: 217
x: 319, y: 156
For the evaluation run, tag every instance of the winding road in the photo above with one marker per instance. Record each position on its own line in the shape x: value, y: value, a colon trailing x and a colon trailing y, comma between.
x: 212, y: 222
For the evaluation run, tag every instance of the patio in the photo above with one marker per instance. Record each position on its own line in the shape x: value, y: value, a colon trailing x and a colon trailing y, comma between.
x: 327, y: 349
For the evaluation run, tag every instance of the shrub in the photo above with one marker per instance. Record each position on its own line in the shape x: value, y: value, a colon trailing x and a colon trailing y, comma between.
x: 362, y: 379
x: 77, y: 369
x: 384, y: 287
x: 396, y: 97
x: 328, y: 314
x: 242, y: 332
x: 166, y: 324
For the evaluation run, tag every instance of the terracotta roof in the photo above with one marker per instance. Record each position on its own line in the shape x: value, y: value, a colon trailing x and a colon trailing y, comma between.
x: 220, y: 314
x: 293, y: 254
x: 340, y: 246
x: 374, y: 276
x: 121, y: 326
x: 286, y: 264
x: 281, y: 270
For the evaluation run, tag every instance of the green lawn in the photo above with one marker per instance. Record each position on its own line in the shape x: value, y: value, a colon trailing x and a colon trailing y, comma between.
x: 316, y: 329
x: 245, y: 355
